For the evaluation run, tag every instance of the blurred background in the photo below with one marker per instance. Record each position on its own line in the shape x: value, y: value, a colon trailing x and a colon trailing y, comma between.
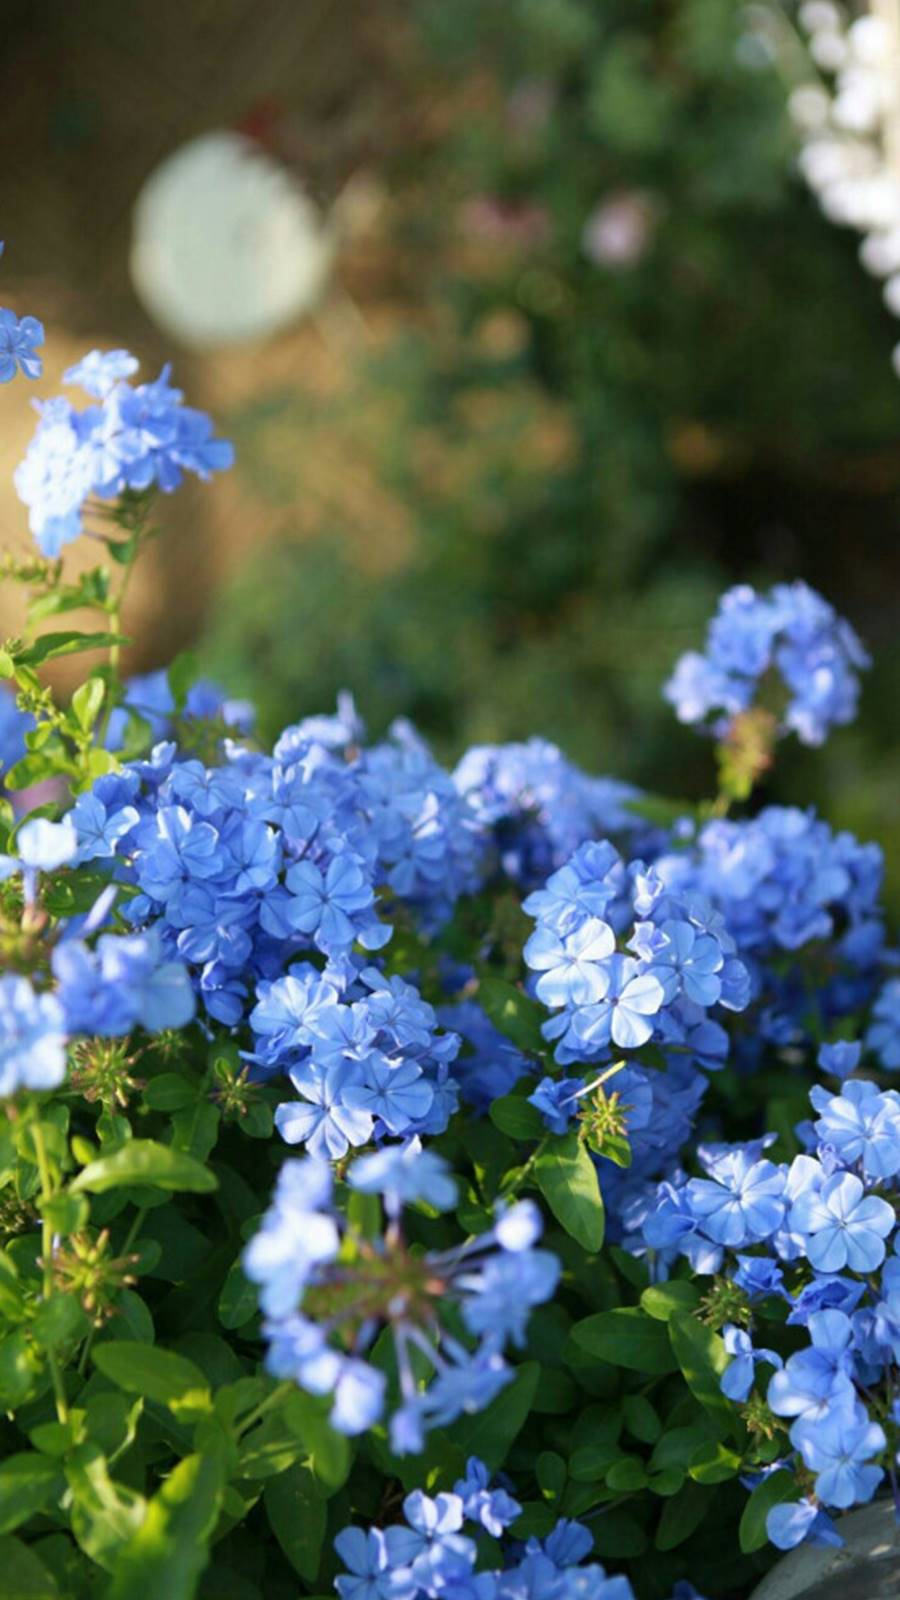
x: 540, y: 341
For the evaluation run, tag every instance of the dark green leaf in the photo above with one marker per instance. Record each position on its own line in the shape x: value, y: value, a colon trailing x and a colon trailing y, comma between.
x: 516, y: 1016
x: 773, y: 1491
x: 23, y: 1575
x: 329, y: 1451
x: 627, y: 1338
x: 702, y: 1357
x: 296, y: 1510
x: 238, y: 1299
x: 515, y: 1117
x: 28, y: 1483
x: 567, y: 1178
x: 681, y: 1515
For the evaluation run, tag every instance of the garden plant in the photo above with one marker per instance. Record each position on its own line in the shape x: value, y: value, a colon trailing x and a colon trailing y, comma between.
x: 473, y: 1184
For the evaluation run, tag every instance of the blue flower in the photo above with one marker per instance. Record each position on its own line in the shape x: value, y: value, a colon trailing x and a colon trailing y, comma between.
x: 840, y: 1058
x: 374, y: 1573
x: 743, y: 1205
x: 861, y: 1125
x: 404, y: 1174
x: 842, y: 1226
x: 324, y: 1121
x: 19, y: 338
x: 795, y: 1521
x: 32, y: 1038
x: 573, y: 967
x: 817, y: 1380
x: 737, y: 1379
x: 839, y: 1448
x: 493, y: 1509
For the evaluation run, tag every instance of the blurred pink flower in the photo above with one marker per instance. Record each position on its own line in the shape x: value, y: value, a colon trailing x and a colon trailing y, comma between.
x: 618, y: 230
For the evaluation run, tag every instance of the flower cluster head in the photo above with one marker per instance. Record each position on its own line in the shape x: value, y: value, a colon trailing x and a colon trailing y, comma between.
x: 248, y: 865
x: 429, y: 1555
x: 326, y: 1293
x: 620, y: 959
x: 786, y: 884
x: 105, y: 985
x: 539, y: 807
x: 364, y: 1053
x: 792, y: 639
x: 818, y: 1235
x: 131, y: 437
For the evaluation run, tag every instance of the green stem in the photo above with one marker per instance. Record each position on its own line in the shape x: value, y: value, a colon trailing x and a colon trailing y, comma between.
x: 278, y: 1394
x: 62, y: 1407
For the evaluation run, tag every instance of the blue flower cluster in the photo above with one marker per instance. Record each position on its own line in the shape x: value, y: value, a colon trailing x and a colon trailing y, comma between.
x: 539, y: 807
x: 108, y: 988
x: 791, y: 638
x: 429, y: 1557
x: 818, y: 1235
x: 326, y: 1293
x: 363, y: 1052
x: 132, y: 437
x: 245, y: 866
x: 787, y: 886
x: 622, y: 959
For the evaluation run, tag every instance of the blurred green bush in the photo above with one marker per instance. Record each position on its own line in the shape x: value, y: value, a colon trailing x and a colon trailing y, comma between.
x: 649, y: 368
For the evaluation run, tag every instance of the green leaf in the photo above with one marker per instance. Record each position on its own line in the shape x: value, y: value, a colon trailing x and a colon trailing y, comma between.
x: 514, y: 1013
x: 662, y: 1300
x: 7, y: 664
x: 490, y: 1433
x: 238, y: 1299
x: 86, y: 702
x: 158, y: 1375
x: 627, y: 1338
x: 641, y: 1418
x: 682, y: 1515
x: 297, y: 1513
x: 19, y: 1367
x: 51, y: 645
x: 626, y: 1474
x: 515, y: 1117
x: 145, y: 1162
x: 567, y: 1178
x: 105, y: 1514
x: 330, y: 1452
x: 23, y: 1575
x: 714, y: 1463
x: 164, y: 1559
x: 28, y: 1483
x: 171, y: 1091
x: 702, y: 1357
x: 773, y: 1491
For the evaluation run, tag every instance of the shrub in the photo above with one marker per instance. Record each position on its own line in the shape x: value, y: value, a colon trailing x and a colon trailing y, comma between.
x: 456, y: 1346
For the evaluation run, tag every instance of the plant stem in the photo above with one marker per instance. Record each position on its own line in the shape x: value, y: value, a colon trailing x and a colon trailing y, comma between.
x: 280, y: 1392
x: 62, y: 1408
